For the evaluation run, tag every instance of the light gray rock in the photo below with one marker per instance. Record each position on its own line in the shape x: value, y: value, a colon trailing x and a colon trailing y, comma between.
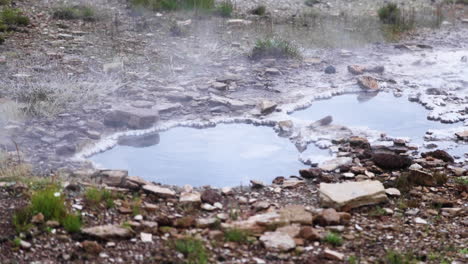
x: 331, y: 165
x: 278, y: 241
x: 350, y: 195
x: 267, y: 107
x: 159, y: 191
x: 190, y: 197
x: 107, y: 232
x: 131, y: 117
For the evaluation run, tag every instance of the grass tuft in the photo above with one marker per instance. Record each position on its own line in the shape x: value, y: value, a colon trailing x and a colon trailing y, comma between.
x: 81, y: 12
x: 274, y: 48
x: 11, y: 17
x: 71, y: 223
x: 95, y: 196
x: 193, y: 250
x: 333, y: 239
x: 22, y: 219
x: 225, y: 8
x: 259, y: 10
x: 236, y: 235
x: 171, y: 5
x: 50, y: 203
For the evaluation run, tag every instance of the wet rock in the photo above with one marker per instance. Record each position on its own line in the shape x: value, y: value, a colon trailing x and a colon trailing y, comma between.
x: 277, y: 241
x: 368, y: 83
x: 91, y: 247
x: 159, y: 191
x: 139, y: 141
x: 296, y: 214
x: 267, y: 107
x: 330, y: 70
x: 310, y: 234
x: 439, y: 154
x: 211, y: 196
x: 333, y: 255
x: 131, y: 117
x: 350, y: 195
x: 390, y: 161
x: 311, y: 173
x: 331, y: 165
x: 107, y: 232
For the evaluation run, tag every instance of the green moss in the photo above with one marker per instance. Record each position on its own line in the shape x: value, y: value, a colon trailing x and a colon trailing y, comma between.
x: 274, y: 48
x: 193, y: 250
x: 333, y: 239
x: 236, y: 235
x: 71, y: 223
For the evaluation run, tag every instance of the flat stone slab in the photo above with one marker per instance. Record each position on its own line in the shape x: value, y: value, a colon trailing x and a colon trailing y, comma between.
x: 107, y: 232
x: 348, y: 195
x: 278, y: 241
x: 131, y: 117
x: 331, y: 165
x: 159, y: 191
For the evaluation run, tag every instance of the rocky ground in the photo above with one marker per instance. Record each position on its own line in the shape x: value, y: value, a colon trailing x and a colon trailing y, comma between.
x: 82, y: 84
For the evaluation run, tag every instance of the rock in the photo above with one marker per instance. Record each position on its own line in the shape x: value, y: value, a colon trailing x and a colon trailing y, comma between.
x: 259, y: 223
x: 292, y: 182
x: 257, y: 184
x: 25, y: 245
x: 350, y: 195
x: 333, y: 255
x: 331, y: 165
x: 359, y: 142
x: 267, y: 107
x: 53, y: 224
x: 272, y: 71
x: 462, y: 135
x: 419, y: 220
x: 208, y: 207
x: 114, y: 178
x: 146, y: 237
x: 141, y: 141
x: 310, y: 234
x: 191, y: 197
x: 391, y: 161
x: 450, y: 212
x: 277, y: 241
x: 159, y: 191
x: 211, y: 196
x: 134, y: 182
x: 296, y: 214
x: 368, y: 83
x: 393, y: 192
x: 65, y: 150
x: 292, y: 230
x: 439, y: 154
x: 420, y: 177
x: 227, y: 191
x: 311, y: 173
x: 107, y: 232
x: 131, y: 117
x: 238, y: 22
x: 330, y: 69
x: 356, y: 69
x: 206, y: 222
x: 324, y: 121
x: 38, y: 219
x: 219, y: 86
x: 328, y: 217
x: 260, y: 206
x: 415, y: 166
x: 91, y: 247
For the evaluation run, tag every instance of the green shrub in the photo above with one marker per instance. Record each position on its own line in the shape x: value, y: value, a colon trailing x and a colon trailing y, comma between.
x: 50, y: 203
x: 259, y: 10
x: 95, y: 196
x: 83, y: 12
x: 71, y: 223
x: 236, y: 235
x: 193, y: 249
x: 22, y: 219
x: 333, y: 239
x: 225, y: 8
x: 390, y: 13
x: 13, y: 17
x: 274, y: 48
x: 4, y: 2
x: 377, y: 211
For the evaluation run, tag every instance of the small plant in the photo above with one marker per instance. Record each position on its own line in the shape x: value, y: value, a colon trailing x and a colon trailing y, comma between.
x: 17, y: 242
x: 171, y: 5
x: 50, y: 203
x: 394, y: 257
x: 126, y: 225
x: 71, y: 223
x: 4, y: 2
x: 13, y: 17
x: 463, y: 251
x: 95, y: 196
x: 390, y: 13
x: 22, y: 219
x: 225, y: 8
x: 274, y: 48
x: 236, y: 235
x: 378, y: 211
x: 353, y: 260
x: 259, y: 10
x: 193, y: 249
x: 82, y: 12
x: 462, y: 180
x: 333, y: 239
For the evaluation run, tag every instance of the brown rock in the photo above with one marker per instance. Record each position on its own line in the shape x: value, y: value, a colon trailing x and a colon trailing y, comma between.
x: 359, y: 142
x: 38, y: 219
x: 368, y: 83
x: 328, y: 217
x: 310, y: 234
x: 356, y: 69
x: 391, y: 161
x: 310, y: 173
x: 185, y: 222
x: 211, y: 196
x: 91, y: 247
x: 439, y: 154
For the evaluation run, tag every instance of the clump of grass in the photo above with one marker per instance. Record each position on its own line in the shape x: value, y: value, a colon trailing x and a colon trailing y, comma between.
x: 394, y: 257
x: 12, y: 17
x: 236, y: 235
x: 274, y: 48
x: 95, y: 196
x: 71, y: 223
x: 259, y: 10
x: 225, y: 8
x: 333, y: 239
x: 4, y: 2
x: 171, y: 5
x: 50, y: 203
x: 193, y: 249
x: 462, y: 180
x: 82, y: 12
x: 440, y: 178
x: 390, y: 13
x: 395, y: 19
x: 17, y: 242
x: 22, y: 219
x: 353, y: 260
x: 377, y: 211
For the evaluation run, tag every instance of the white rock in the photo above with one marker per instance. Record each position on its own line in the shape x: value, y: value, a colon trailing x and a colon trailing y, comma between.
x: 419, y: 220
x: 138, y: 217
x: 159, y: 191
x: 393, y: 192
x: 350, y: 195
x: 278, y: 240
x: 146, y: 237
x: 415, y: 166
x: 190, y: 197
x: 331, y: 165
x: 333, y: 255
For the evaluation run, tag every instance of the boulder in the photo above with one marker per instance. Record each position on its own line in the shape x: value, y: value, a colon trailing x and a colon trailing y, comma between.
x: 310, y: 234
x: 190, y: 197
x: 267, y: 107
x: 310, y: 173
x: 390, y: 161
x: 348, y: 195
x: 114, y: 178
x: 328, y: 217
x: 439, y: 154
x: 331, y: 165
x: 211, y: 196
x: 159, y: 191
x: 296, y: 214
x: 369, y: 83
x: 107, y: 232
x: 420, y: 177
x: 278, y: 241
x: 131, y: 117
x: 463, y: 135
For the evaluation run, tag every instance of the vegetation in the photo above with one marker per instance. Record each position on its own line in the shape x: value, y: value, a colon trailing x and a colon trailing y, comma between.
x: 236, y: 235
x: 171, y: 5
x: 274, y: 48
x: 377, y: 211
x: 395, y: 19
x: 82, y: 12
x: 394, y: 257
x: 259, y: 10
x: 390, y: 13
x: 225, y: 8
x: 193, y: 250
x: 333, y: 239
x: 95, y: 196
x: 12, y: 17
x: 462, y: 180
x: 4, y: 2
x: 72, y: 223
x: 22, y: 219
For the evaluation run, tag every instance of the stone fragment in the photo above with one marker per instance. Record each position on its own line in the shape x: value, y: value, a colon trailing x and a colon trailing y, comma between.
x: 330, y: 70
x: 131, y: 117
x: 368, y: 83
x: 350, y: 195
x: 91, y: 247
x: 393, y: 192
x: 463, y: 135
x: 310, y: 173
x: 333, y: 255
x: 159, y: 191
x: 107, y: 232
x: 310, y: 234
x: 331, y: 165
x: 439, y: 154
x: 296, y: 214
x: 190, y: 197
x: 267, y: 107
x: 328, y: 217
x: 292, y: 230
x: 278, y: 241
x: 25, y: 244
x: 391, y: 161
x: 146, y: 237
x: 211, y: 196
x: 356, y: 69
x: 420, y: 177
